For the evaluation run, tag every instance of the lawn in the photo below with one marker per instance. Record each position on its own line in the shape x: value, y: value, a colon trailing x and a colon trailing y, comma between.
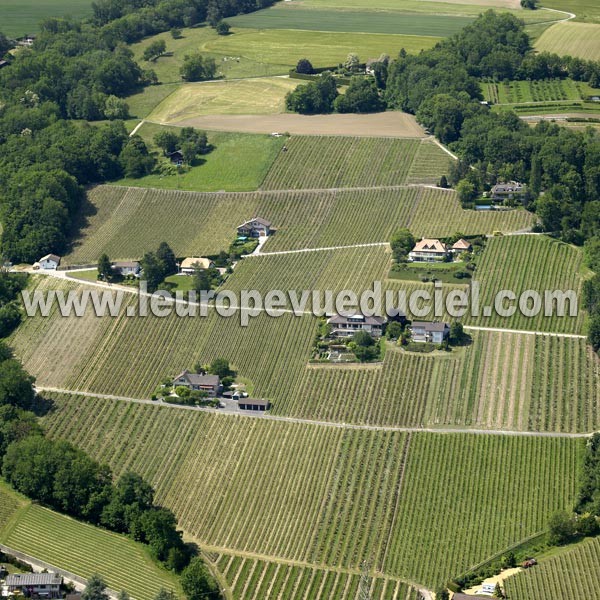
x: 240, y: 97
x: 289, y: 16
x: 330, y: 496
x: 20, y: 17
x: 85, y: 550
x: 575, y: 39
x: 238, y: 162
x: 144, y: 102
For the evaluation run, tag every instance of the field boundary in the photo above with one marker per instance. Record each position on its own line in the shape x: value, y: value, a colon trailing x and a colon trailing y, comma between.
x: 334, y: 424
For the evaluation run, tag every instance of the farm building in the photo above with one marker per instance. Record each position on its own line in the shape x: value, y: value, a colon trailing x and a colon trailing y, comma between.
x: 198, y: 382
x: 189, y: 265
x: 429, y: 250
x: 254, y: 405
x: 510, y: 190
x: 43, y: 585
x: 127, y: 267
x: 176, y: 158
x: 256, y: 227
x: 461, y: 246
x: 435, y: 332
x: 48, y: 262
x: 348, y: 325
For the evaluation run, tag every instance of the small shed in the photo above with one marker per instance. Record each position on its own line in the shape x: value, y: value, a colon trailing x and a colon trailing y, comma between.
x: 254, y: 404
x: 48, y: 262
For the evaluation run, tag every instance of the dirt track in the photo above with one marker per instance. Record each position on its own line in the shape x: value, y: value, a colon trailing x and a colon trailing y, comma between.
x: 387, y: 124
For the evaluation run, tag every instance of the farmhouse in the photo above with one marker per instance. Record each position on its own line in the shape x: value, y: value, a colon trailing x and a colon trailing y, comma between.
x: 189, y: 265
x: 347, y: 325
x: 127, y: 267
x: 44, y: 585
x: 429, y: 250
x: 434, y: 333
x: 48, y: 262
x: 510, y: 190
x: 256, y: 227
x: 254, y: 405
x: 176, y: 158
x: 461, y: 246
x: 201, y: 383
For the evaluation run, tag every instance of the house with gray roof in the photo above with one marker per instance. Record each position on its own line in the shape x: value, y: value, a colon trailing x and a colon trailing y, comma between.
x: 199, y: 382
x: 256, y: 227
x: 435, y: 332
x: 343, y: 326
x: 42, y: 585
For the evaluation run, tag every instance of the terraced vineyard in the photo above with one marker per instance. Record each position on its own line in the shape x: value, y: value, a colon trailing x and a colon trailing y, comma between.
x: 126, y: 222
x: 252, y: 579
x: 85, y: 550
x: 573, y: 573
x: 328, y: 495
x: 535, y: 263
x: 338, y: 162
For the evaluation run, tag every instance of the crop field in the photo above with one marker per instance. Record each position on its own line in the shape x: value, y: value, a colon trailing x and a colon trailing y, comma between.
x: 291, y: 16
x: 523, y: 92
x: 390, y: 498
x: 85, y: 550
x: 586, y: 10
x: 334, y: 162
x: 237, y: 162
x: 575, y: 39
x: 538, y: 263
x: 572, y: 573
x: 21, y: 17
x: 240, y: 97
x: 126, y: 222
x: 254, y: 579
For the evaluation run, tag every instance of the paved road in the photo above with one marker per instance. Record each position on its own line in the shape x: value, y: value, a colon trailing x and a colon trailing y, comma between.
x: 267, y: 416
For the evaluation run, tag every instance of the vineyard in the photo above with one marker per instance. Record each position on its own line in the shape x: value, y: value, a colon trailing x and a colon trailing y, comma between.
x: 340, y: 162
x: 572, y: 573
x: 524, y: 263
x: 126, y: 222
x: 252, y: 579
x: 329, y: 495
x: 523, y: 92
x: 502, y: 380
x: 10, y: 505
x: 84, y: 550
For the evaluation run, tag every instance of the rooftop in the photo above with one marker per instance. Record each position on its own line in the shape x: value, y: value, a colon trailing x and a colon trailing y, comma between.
x: 430, y: 326
x: 430, y: 245
x: 257, y: 220
x: 197, y: 379
x: 33, y: 579
x: 339, y: 319
x: 190, y: 263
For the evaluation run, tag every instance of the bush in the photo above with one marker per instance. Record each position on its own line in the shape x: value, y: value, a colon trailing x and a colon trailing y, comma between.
x: 304, y: 67
x: 223, y: 28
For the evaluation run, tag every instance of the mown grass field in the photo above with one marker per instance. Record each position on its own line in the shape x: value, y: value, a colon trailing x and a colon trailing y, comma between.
x: 574, y: 39
x: 291, y: 16
x: 237, y: 162
x: 392, y: 498
x: 84, y: 550
x: 324, y: 49
x: 22, y: 17
x: 570, y: 573
x: 252, y: 579
x: 241, y: 97
x: 126, y: 222
x: 586, y: 10
x: 538, y: 263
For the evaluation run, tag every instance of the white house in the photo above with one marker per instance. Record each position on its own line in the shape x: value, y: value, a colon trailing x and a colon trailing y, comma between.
x: 42, y: 585
x: 48, y: 262
x: 461, y: 246
x: 127, y: 267
x: 347, y: 325
x: 429, y: 250
x: 189, y: 265
x: 434, y: 333
x: 256, y: 227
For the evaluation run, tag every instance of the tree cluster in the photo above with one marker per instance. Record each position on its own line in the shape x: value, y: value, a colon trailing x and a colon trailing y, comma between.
x: 158, y: 265
x: 316, y: 97
x: 190, y: 142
